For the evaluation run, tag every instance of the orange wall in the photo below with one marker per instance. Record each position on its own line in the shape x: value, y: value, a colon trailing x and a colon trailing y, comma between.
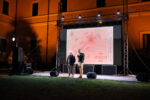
x: 5, y: 28
x: 12, y: 5
x: 1, y: 4
x: 52, y: 39
x: 119, y: 2
x: 138, y: 22
x: 41, y: 31
x: 39, y: 23
x: 12, y: 8
x: 54, y: 6
x: 43, y: 7
x: 25, y: 7
x: 6, y: 25
x: 74, y: 5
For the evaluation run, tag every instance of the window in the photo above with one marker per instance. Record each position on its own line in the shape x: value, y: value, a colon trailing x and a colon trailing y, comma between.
x: 35, y: 9
x: 146, y: 41
x: 100, y: 3
x: 5, y: 7
x: 145, y: 0
x: 3, y: 45
x: 64, y: 5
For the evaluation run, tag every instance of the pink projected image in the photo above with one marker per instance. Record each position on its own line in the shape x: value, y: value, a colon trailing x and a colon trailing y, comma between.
x: 95, y: 43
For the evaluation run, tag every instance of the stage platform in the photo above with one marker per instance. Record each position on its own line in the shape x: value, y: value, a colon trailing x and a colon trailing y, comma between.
x: 129, y: 78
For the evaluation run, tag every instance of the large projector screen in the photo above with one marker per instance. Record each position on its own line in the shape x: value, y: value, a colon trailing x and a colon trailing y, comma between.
x: 95, y: 43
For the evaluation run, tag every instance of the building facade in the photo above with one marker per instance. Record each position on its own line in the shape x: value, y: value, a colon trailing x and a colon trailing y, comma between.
x: 36, y: 22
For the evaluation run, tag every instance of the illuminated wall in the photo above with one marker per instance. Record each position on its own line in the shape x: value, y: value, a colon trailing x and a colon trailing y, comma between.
x: 139, y: 13
x: 6, y: 26
x: 5, y: 20
x: 139, y: 23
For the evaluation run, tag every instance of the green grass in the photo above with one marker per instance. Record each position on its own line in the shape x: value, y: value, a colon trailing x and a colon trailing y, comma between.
x: 46, y: 88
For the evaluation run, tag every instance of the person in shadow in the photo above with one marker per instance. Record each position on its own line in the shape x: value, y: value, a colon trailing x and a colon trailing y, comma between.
x: 80, y: 62
x: 70, y: 62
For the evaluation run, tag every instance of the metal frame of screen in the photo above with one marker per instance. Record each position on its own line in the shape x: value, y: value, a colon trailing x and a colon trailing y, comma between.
x: 118, y: 57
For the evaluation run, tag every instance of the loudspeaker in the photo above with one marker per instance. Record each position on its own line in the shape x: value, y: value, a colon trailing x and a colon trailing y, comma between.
x: 144, y: 77
x: 54, y: 73
x: 97, y: 69
x: 88, y: 68
x: 91, y: 75
x: 109, y: 69
x: 29, y: 71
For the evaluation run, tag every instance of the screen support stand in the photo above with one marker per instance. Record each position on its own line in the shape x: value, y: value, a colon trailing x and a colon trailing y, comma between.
x: 125, y: 36
x: 59, y: 28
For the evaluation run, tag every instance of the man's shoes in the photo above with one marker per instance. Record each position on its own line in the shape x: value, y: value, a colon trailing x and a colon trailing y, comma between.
x: 68, y: 75
x: 80, y: 76
x: 72, y: 76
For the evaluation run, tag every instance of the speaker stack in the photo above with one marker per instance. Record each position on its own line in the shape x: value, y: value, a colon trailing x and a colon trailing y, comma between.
x: 91, y: 75
x: 54, y: 73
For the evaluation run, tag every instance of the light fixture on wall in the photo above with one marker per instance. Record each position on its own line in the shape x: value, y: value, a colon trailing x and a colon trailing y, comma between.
x: 118, y: 12
x: 62, y: 18
x: 100, y: 22
x: 98, y: 15
x: 80, y: 17
x: 13, y: 39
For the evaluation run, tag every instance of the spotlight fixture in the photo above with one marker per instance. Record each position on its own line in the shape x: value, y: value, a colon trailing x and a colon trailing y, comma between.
x: 80, y: 17
x: 62, y: 18
x: 100, y: 22
x: 13, y: 39
x: 99, y: 15
x: 118, y: 12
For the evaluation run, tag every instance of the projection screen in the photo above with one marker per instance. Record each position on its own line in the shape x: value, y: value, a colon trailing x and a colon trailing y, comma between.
x: 95, y: 43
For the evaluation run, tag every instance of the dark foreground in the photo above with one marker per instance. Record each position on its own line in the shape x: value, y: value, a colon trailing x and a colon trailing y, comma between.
x: 46, y: 88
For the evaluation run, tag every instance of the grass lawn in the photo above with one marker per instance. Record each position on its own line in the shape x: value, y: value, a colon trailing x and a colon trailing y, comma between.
x: 46, y: 88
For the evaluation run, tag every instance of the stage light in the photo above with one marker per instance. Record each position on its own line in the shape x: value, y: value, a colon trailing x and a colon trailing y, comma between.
x: 99, y: 15
x: 62, y: 18
x: 13, y: 39
x: 80, y: 17
x: 100, y: 22
x: 118, y: 12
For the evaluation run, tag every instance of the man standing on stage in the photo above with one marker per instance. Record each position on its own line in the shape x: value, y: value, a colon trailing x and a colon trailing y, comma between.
x: 80, y: 62
x: 70, y: 62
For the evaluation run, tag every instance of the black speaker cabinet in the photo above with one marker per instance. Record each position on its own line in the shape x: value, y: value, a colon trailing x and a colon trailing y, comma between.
x: 109, y: 69
x: 88, y: 68
x: 91, y: 75
x: 54, y: 73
